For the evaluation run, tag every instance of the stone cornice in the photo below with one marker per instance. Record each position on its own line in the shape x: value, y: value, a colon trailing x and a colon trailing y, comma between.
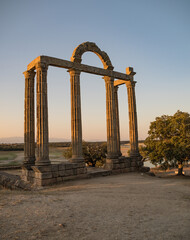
x: 56, y: 62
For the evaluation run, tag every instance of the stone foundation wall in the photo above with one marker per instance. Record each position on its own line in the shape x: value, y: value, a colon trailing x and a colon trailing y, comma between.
x: 54, y: 173
x: 124, y: 164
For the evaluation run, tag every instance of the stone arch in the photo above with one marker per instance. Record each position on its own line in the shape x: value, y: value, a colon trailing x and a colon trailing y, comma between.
x: 91, y: 47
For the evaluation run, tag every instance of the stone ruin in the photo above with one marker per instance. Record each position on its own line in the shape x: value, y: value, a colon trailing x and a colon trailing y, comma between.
x: 38, y: 169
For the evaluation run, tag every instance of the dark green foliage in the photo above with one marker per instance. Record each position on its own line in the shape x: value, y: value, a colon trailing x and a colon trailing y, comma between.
x: 168, y: 143
x: 12, y: 147
x: 93, y: 153
x: 67, y: 153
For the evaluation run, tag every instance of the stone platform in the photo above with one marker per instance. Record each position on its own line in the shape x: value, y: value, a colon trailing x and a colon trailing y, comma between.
x: 56, y: 173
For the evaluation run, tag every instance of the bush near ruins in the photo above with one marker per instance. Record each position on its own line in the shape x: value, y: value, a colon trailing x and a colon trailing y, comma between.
x: 168, y: 141
x: 93, y: 153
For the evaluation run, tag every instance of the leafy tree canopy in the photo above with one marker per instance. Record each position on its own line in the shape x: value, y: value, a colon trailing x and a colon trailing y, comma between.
x: 168, y: 140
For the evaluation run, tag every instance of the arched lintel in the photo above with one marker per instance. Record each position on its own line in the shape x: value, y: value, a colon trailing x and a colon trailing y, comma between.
x: 91, y: 47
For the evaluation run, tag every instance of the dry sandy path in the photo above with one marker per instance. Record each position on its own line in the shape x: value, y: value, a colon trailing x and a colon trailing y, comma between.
x: 128, y: 206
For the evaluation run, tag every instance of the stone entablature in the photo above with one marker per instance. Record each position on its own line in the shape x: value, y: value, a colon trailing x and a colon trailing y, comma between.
x: 34, y: 166
x: 56, y: 62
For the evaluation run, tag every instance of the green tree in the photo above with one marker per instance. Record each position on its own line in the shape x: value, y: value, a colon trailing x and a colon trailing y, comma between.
x: 168, y: 141
x: 94, y: 153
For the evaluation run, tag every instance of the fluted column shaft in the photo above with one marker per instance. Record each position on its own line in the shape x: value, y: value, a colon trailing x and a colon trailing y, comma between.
x: 112, y: 152
x: 76, y: 122
x: 117, y: 120
x: 42, y: 115
x: 133, y: 129
x: 29, y: 128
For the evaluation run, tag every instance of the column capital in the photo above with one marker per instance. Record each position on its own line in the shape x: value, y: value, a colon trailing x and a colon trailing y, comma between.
x: 130, y: 84
x: 41, y: 65
x: 74, y: 71
x: 29, y: 74
x: 108, y: 79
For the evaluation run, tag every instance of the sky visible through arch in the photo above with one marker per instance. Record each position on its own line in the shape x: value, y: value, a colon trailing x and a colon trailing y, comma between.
x: 151, y: 36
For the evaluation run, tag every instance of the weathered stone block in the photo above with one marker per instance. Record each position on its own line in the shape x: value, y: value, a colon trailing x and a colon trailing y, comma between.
x: 69, y: 172
x: 42, y: 168
x: 68, y: 165
x: 133, y: 164
x: 45, y: 175
x: 62, y: 173
x: 31, y: 173
x: 114, y: 161
x: 127, y: 163
x: 75, y: 171
x: 133, y: 169
x: 24, y: 178
x: 24, y: 172
x: 69, y: 178
x: 126, y: 170
x: 45, y: 182
x: 122, y: 165
x: 81, y: 164
x: 54, y: 167
x: 55, y: 174
x: 108, y: 166
x: 61, y: 166
x: 116, y: 166
x: 75, y: 165
x: 116, y: 171
x: 59, y: 179
x: 121, y: 159
x: 80, y: 171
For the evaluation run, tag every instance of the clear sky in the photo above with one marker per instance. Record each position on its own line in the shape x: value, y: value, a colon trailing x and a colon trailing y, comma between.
x: 153, y: 36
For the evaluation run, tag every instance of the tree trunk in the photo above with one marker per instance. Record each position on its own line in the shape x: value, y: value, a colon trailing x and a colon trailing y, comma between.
x: 180, y: 169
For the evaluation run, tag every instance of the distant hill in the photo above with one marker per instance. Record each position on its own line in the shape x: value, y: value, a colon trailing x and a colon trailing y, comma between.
x: 21, y: 140
x: 12, y: 140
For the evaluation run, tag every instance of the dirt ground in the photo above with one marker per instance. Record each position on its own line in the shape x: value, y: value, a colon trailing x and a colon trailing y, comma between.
x: 126, y: 206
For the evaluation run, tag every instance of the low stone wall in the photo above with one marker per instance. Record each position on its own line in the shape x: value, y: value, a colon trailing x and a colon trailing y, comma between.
x: 54, y: 173
x: 124, y: 164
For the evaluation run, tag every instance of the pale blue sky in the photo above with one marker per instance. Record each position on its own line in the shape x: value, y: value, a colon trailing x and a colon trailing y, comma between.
x: 153, y: 36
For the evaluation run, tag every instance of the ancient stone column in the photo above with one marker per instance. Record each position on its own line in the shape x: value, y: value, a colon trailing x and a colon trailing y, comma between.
x: 29, y: 129
x: 76, y: 123
x: 112, y: 152
x: 42, y: 115
x: 117, y: 120
x: 133, y: 130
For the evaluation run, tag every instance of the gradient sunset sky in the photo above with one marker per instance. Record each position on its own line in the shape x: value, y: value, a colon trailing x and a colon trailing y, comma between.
x: 152, y: 36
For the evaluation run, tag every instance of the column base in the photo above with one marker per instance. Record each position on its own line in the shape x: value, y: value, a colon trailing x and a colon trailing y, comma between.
x: 42, y: 162
x: 76, y: 159
x: 110, y: 162
x: 135, y: 154
x: 29, y: 161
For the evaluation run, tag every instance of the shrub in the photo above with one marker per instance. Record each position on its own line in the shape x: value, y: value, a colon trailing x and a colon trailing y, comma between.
x: 93, y: 153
